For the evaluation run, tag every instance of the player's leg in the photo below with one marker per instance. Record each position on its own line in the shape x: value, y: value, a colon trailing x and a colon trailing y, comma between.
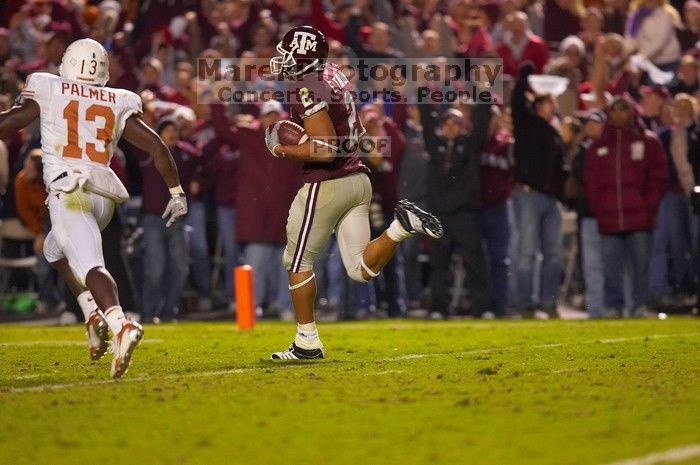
x: 78, y: 217
x: 312, y: 216
x: 101, y: 283
x: 95, y: 325
x: 408, y: 220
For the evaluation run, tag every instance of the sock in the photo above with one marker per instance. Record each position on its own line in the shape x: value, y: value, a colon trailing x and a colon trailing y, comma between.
x: 87, y: 303
x: 115, y: 318
x: 307, y: 336
x: 396, y: 232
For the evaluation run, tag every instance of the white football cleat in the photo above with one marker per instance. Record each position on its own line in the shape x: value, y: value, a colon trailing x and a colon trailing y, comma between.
x: 97, y: 334
x: 123, y: 346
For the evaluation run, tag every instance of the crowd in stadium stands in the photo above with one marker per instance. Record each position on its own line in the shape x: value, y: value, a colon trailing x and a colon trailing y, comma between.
x: 619, y: 147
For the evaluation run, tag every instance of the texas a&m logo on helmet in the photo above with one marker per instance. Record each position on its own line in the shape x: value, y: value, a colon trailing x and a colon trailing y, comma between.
x: 302, y: 49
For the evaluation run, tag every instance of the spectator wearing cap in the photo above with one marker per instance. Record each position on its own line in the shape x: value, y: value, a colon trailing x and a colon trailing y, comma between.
x: 539, y: 178
x: 454, y: 197
x: 496, y: 184
x: 589, y: 236
x: 253, y: 192
x: 686, y: 80
x: 625, y: 179
x: 164, y: 249
x: 651, y: 26
x: 671, y: 271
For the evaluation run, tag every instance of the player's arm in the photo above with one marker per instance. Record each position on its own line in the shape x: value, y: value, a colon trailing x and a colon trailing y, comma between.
x: 140, y: 135
x: 18, y: 117
x: 321, y: 146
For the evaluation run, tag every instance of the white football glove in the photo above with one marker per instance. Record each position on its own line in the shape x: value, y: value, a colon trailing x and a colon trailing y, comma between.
x: 175, y: 210
x: 272, y: 138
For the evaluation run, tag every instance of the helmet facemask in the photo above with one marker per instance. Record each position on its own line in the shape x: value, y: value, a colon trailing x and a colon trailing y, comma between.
x: 286, y: 65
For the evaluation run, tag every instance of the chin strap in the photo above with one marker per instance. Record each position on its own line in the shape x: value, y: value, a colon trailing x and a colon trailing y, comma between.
x: 303, y: 283
x: 367, y: 269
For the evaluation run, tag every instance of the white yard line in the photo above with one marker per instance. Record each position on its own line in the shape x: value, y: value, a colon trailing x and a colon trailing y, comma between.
x: 233, y: 371
x: 198, y: 374
x: 61, y: 343
x: 676, y: 454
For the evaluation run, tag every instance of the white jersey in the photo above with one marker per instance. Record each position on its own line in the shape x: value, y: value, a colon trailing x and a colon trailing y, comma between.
x: 80, y: 124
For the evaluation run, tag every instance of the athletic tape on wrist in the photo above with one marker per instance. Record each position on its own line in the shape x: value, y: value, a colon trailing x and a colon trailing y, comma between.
x: 176, y: 191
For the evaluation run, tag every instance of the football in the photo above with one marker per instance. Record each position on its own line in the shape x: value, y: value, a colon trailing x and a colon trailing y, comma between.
x: 291, y: 133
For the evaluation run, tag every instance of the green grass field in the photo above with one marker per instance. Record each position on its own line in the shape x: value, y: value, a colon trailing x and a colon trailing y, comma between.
x: 390, y: 392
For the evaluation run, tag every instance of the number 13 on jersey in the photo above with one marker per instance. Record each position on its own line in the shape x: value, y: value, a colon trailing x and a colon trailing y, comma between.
x: 71, y: 114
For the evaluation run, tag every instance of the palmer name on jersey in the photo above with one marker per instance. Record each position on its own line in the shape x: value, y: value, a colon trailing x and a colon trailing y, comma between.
x: 80, y: 124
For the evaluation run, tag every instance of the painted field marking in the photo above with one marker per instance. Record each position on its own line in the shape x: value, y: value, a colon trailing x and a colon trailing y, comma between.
x: 676, y: 454
x: 199, y: 374
x: 62, y: 343
x: 553, y: 345
x: 233, y: 371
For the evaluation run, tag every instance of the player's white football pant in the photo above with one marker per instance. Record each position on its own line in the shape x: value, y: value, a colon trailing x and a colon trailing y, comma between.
x: 76, y: 221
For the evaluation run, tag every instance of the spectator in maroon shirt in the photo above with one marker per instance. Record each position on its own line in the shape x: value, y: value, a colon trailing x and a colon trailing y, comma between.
x: 192, y: 136
x: 520, y: 45
x: 330, y: 25
x: 496, y: 183
x: 252, y: 210
x: 625, y: 179
x: 164, y: 249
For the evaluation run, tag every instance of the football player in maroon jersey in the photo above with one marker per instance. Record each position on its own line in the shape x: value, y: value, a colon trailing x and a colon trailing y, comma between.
x: 336, y: 193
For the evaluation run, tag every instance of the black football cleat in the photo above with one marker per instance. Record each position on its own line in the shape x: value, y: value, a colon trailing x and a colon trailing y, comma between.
x: 297, y: 353
x: 414, y: 220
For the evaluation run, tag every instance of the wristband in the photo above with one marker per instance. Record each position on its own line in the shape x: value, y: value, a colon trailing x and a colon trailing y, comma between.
x: 177, y: 191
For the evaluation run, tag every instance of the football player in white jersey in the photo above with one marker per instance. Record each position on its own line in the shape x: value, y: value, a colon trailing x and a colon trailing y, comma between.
x: 81, y: 123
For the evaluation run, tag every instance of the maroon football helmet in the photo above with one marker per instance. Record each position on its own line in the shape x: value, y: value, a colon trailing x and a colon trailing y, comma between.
x: 302, y: 49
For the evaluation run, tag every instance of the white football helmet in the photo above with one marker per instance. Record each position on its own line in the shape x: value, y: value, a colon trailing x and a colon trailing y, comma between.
x: 85, y: 61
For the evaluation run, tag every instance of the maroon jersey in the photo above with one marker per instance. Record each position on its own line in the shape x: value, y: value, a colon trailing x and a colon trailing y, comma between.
x: 329, y: 90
